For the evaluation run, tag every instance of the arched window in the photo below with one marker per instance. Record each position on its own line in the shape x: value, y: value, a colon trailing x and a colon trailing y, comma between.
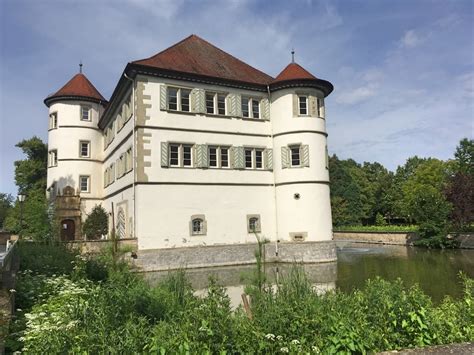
x: 253, y: 223
x: 198, y: 225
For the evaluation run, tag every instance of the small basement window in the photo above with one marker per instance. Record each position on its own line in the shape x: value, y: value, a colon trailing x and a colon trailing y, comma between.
x: 198, y: 225
x: 253, y: 223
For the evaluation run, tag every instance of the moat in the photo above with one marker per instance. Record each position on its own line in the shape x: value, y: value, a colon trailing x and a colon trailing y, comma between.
x: 436, y: 271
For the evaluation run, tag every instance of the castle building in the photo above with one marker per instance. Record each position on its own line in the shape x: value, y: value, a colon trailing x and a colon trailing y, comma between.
x: 195, y: 148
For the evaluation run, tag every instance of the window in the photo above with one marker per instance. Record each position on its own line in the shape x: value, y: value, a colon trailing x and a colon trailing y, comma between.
x: 198, y: 225
x: 53, y: 120
x: 250, y: 107
x: 215, y: 103
x: 53, y: 157
x: 129, y: 163
x: 84, y: 149
x: 178, y: 99
x: 295, y: 155
x: 84, y: 183
x: 253, y: 223
x: 320, y: 106
x: 218, y: 157
x: 253, y: 158
x: 180, y: 155
x: 85, y: 113
x: 303, y: 105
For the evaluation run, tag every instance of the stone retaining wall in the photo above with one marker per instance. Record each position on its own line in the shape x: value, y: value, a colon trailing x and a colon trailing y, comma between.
x: 96, y: 246
x: 234, y: 254
x: 397, y: 238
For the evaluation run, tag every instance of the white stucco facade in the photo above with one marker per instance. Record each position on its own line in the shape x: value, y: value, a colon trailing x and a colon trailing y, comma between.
x: 154, y: 162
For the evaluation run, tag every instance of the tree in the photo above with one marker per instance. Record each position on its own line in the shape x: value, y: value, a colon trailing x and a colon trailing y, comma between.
x: 96, y: 223
x: 464, y: 155
x: 30, y: 173
x: 423, y: 199
x: 460, y: 193
x: 6, y: 202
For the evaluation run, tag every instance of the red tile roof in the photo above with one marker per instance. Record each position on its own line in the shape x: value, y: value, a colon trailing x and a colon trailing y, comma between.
x: 293, y: 71
x: 194, y: 55
x: 79, y: 86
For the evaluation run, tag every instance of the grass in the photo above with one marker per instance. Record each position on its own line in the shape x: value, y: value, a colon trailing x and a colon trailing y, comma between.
x: 380, y: 229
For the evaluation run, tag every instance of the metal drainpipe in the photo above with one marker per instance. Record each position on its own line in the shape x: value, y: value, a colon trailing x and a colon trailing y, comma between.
x: 274, y: 183
x: 132, y: 102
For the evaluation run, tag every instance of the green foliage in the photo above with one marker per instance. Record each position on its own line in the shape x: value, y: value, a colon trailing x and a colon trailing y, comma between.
x: 34, y: 221
x: 464, y: 155
x: 6, y: 202
x: 30, y: 173
x: 460, y: 193
x: 379, y: 220
x: 381, y: 228
x: 96, y: 223
x: 71, y: 313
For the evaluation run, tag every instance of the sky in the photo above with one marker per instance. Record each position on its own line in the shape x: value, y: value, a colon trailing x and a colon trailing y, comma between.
x: 403, y: 71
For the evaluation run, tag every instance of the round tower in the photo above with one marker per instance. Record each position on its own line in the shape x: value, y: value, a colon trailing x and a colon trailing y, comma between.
x: 300, y: 148
x: 75, y: 148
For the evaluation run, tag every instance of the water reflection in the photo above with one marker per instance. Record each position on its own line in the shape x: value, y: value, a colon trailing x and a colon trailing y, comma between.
x: 436, y: 271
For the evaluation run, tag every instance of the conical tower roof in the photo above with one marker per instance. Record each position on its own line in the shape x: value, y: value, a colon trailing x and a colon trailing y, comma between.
x: 294, y: 75
x: 78, y: 88
x: 293, y: 71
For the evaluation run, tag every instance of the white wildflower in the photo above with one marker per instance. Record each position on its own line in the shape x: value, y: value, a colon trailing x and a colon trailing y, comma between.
x: 284, y: 350
x: 295, y: 342
x: 315, y: 349
x: 12, y: 290
x: 279, y: 337
x: 270, y: 336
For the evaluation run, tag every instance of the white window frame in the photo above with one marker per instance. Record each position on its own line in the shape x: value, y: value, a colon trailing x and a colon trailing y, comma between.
x: 219, y: 153
x: 306, y: 104
x: 320, y: 107
x: 53, y: 157
x: 53, y: 120
x: 249, y: 102
x: 181, y: 147
x: 253, y: 156
x: 88, y: 144
x: 88, y: 110
x: 179, y: 99
x: 88, y: 182
x: 215, y: 103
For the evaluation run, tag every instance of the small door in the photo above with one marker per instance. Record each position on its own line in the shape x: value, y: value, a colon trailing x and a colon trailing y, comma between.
x: 68, y: 229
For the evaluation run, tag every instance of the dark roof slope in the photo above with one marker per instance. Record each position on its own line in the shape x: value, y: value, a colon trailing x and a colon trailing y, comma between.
x: 194, y: 55
x: 78, y: 87
x: 294, y: 71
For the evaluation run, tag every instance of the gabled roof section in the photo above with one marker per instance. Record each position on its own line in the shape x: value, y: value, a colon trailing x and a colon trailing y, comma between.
x: 293, y: 71
x: 193, y: 55
x: 79, y: 87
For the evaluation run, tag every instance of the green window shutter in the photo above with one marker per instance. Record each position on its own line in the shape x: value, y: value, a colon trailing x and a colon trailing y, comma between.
x: 305, y: 155
x: 313, y: 106
x: 163, y: 97
x: 295, y: 106
x: 265, y: 109
x: 238, y: 161
x: 285, y: 157
x: 198, y: 101
x: 269, y: 159
x: 164, y: 154
x: 201, y: 160
x: 235, y: 107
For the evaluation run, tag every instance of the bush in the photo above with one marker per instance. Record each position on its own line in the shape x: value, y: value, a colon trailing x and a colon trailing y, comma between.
x: 96, y: 223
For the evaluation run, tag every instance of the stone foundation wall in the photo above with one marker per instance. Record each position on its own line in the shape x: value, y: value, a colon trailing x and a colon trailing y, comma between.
x: 397, y: 238
x: 96, y: 246
x: 234, y: 254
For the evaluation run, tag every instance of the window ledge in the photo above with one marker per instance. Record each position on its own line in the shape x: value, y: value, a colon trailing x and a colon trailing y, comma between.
x: 253, y: 119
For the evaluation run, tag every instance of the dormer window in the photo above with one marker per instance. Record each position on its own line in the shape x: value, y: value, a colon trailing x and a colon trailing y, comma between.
x: 85, y: 113
x: 303, y: 104
x: 178, y: 99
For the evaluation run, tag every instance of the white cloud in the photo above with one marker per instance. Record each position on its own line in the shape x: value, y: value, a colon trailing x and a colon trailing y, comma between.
x: 410, y: 39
